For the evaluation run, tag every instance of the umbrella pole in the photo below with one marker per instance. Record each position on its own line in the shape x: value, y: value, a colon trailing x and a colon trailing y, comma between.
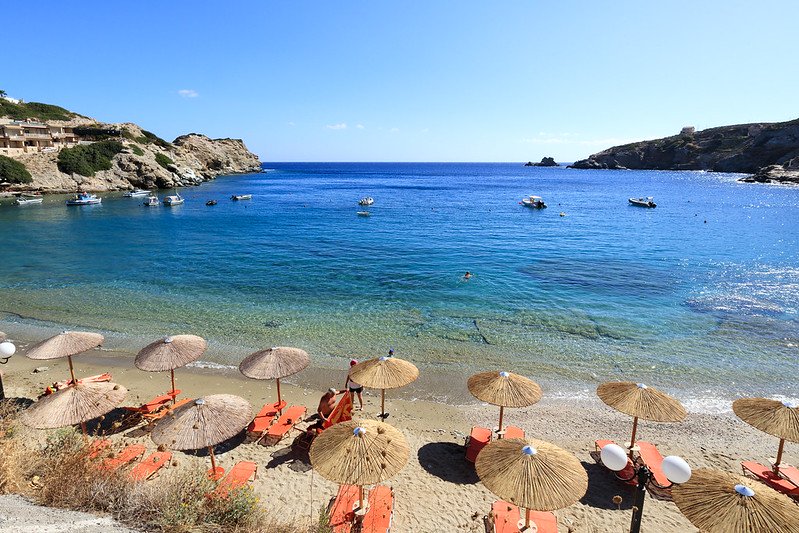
x: 213, y: 461
x: 527, y: 519
x: 779, y: 456
x: 501, y: 415
x: 277, y: 380
x: 172, y: 372
x: 635, y: 430
x: 360, y: 497
x: 83, y: 429
x: 71, y: 370
x: 383, y: 404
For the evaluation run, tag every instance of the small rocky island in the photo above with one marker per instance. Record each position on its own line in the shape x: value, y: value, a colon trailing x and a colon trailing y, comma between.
x: 49, y: 149
x: 767, y: 151
x: 545, y: 162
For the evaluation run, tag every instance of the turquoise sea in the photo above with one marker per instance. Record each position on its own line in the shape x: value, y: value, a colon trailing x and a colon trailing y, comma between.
x: 699, y: 295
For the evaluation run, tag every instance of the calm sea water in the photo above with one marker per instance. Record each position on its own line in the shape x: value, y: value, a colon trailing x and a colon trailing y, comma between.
x: 699, y: 294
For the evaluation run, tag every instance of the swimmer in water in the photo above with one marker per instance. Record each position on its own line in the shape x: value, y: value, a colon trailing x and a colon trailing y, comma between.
x: 467, y: 276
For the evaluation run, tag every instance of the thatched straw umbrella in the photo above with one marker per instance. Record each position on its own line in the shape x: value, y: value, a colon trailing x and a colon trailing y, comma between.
x: 359, y: 452
x: 386, y: 372
x: 65, y: 344
x: 532, y: 474
x: 504, y: 389
x: 640, y: 401
x: 75, y: 404
x: 720, y: 502
x: 780, y: 419
x: 170, y: 353
x: 203, y: 423
x: 275, y: 363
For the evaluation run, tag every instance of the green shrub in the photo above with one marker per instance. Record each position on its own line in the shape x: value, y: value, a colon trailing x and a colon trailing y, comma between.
x: 153, y: 138
x: 96, y: 132
x: 163, y: 160
x: 136, y: 150
x: 88, y: 159
x: 13, y: 171
x: 34, y: 110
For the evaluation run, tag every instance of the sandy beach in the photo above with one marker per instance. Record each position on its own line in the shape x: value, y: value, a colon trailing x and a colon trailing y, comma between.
x: 438, y: 491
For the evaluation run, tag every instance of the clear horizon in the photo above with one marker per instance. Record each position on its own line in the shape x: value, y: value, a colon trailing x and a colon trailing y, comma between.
x: 443, y: 82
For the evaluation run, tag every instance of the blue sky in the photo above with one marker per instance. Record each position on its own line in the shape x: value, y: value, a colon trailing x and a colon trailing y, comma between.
x: 410, y: 81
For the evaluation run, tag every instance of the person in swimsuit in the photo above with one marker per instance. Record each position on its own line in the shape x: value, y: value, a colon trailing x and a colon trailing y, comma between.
x: 355, y: 388
x: 326, y: 404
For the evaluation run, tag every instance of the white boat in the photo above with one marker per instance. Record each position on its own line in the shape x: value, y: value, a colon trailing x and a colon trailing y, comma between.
x: 28, y: 200
x: 643, y: 202
x: 236, y: 197
x: 84, y: 198
x: 535, y: 202
x: 367, y: 200
x: 152, y: 201
x: 364, y: 213
x: 135, y: 193
x: 174, y: 199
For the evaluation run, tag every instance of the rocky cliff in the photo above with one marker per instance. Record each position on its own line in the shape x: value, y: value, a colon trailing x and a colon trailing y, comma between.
x: 145, y: 160
x: 744, y: 148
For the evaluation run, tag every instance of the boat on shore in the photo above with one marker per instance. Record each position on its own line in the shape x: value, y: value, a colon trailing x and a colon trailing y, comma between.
x: 135, y: 193
x: 173, y: 199
x: 152, y: 201
x: 84, y: 198
x: 643, y: 202
x: 237, y: 197
x: 366, y: 200
x: 28, y: 199
x: 536, y: 202
x: 210, y: 202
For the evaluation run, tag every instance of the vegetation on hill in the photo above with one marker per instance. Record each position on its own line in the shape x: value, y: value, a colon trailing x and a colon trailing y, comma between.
x: 13, y: 171
x: 163, y: 160
x: 88, y: 159
x: 34, y: 110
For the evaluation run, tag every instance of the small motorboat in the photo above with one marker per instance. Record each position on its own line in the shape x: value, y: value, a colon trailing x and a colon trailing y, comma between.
x: 135, y: 193
x: 237, y: 197
x: 84, y: 198
x: 643, y: 202
x: 366, y: 200
x: 364, y: 213
x: 210, y: 202
x: 152, y: 201
x: 535, y: 202
x: 28, y: 199
x: 173, y: 199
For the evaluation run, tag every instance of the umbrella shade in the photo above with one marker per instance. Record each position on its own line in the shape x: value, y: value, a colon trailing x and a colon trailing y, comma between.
x: 640, y: 401
x: 505, y: 389
x: 359, y: 452
x: 202, y: 423
x: 74, y: 405
x: 384, y: 373
x: 274, y: 363
x: 719, y: 502
x: 65, y: 344
x: 170, y: 353
x: 780, y: 419
x: 532, y: 474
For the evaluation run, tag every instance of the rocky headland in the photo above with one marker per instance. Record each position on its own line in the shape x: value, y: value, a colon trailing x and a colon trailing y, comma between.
x: 767, y: 151
x: 141, y: 160
x: 545, y: 162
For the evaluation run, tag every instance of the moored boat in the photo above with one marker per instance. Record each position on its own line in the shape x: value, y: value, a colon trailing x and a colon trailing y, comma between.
x: 173, y: 199
x: 237, y: 197
x: 366, y: 200
x: 535, y: 202
x: 210, y: 202
x: 364, y: 213
x: 151, y: 201
x: 643, y: 202
x: 28, y: 199
x: 135, y: 193
x: 84, y: 198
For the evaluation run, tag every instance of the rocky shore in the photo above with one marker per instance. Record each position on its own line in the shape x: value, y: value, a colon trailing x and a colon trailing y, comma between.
x: 768, y: 151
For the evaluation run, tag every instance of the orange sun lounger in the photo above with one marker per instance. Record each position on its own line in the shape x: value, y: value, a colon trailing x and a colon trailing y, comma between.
x: 477, y: 440
x: 127, y: 455
x: 285, y: 423
x: 789, y: 473
x: 653, y: 460
x: 265, y: 417
x: 506, y: 519
x: 155, y: 404
x: 627, y: 475
x: 767, y: 476
x: 512, y: 432
x: 341, y: 509
x: 97, y: 446
x: 161, y: 413
x: 379, y: 516
x: 150, y: 465
x: 237, y: 477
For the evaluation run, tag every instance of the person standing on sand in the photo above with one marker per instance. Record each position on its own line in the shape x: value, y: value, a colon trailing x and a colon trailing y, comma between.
x: 355, y: 388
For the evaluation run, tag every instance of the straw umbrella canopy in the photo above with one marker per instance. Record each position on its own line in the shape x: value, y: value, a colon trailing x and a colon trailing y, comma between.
x: 203, y: 423
x: 504, y: 389
x: 780, y: 419
x: 65, y: 344
x: 170, y: 353
x: 75, y: 404
x: 641, y: 401
x: 359, y: 452
x: 532, y: 474
x: 385, y: 372
x: 720, y: 502
x: 275, y: 363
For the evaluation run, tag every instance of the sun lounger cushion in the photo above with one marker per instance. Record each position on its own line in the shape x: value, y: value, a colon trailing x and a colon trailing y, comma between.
x: 478, y: 439
x: 653, y: 460
x: 767, y: 476
x: 790, y: 473
x: 157, y: 415
x: 381, y: 510
x: 155, y: 404
x: 237, y: 477
x: 265, y: 417
x: 341, y: 512
x: 150, y: 465
x: 507, y: 517
x: 126, y: 455
x: 286, y: 422
x: 627, y: 475
x: 97, y: 446
x: 512, y: 432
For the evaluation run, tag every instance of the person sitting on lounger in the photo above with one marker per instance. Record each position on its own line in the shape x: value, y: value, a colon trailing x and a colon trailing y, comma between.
x: 326, y: 404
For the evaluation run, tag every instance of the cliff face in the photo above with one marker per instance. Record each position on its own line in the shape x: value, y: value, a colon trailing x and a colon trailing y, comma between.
x: 195, y: 157
x: 745, y: 148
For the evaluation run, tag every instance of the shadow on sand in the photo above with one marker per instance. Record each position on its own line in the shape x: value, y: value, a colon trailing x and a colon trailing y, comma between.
x: 446, y: 461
